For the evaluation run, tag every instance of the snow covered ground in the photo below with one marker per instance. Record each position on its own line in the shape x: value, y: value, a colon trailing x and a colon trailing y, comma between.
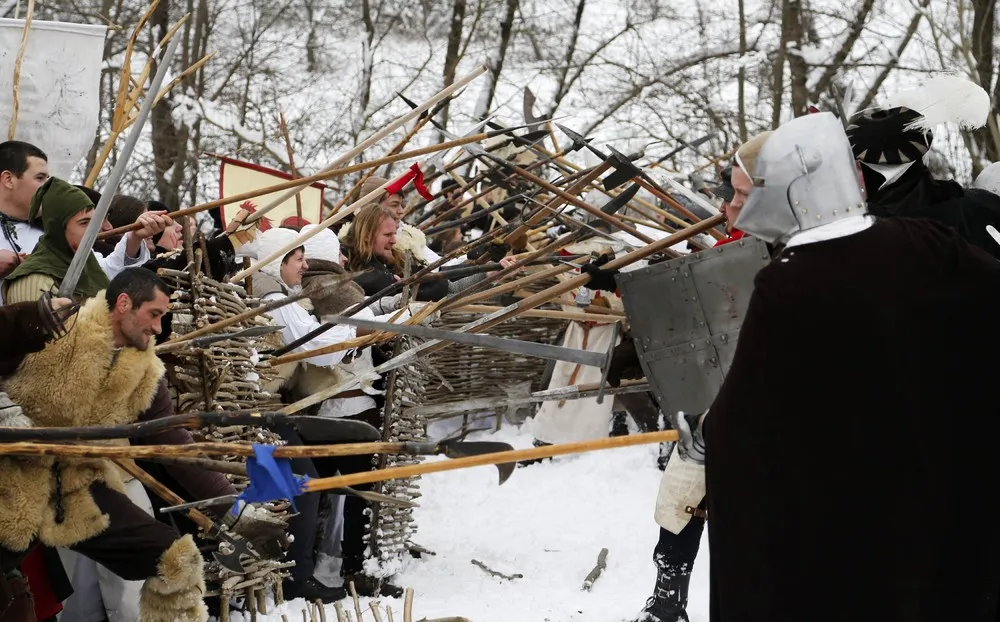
x: 547, y: 523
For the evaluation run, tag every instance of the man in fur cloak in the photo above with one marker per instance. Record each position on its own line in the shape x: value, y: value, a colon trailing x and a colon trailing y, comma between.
x: 103, y: 372
x: 850, y: 435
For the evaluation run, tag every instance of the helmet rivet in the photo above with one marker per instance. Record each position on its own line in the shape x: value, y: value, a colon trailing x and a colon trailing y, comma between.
x: 805, y: 211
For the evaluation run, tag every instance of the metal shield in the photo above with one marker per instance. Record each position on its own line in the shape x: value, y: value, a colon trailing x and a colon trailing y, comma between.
x: 686, y: 315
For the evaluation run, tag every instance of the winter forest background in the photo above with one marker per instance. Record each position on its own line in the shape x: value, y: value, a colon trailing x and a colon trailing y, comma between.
x: 641, y: 74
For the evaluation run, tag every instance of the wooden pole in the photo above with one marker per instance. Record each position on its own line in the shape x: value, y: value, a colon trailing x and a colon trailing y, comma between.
x: 17, y: 69
x: 311, y: 179
x: 376, y: 137
x: 500, y: 457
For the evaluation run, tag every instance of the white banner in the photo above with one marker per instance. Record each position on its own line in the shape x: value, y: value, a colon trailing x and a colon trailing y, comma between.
x: 59, y: 88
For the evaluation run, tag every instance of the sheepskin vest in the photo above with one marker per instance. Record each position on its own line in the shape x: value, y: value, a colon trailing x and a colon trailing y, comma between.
x: 79, y: 380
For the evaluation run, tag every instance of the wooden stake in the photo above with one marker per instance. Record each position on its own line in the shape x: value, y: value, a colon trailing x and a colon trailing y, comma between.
x: 408, y: 605
x: 374, y: 606
x: 595, y: 574
x: 17, y: 69
x: 354, y: 596
x: 339, y: 609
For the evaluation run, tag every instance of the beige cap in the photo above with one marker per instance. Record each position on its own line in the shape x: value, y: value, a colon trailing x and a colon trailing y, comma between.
x: 746, y: 155
x: 372, y: 184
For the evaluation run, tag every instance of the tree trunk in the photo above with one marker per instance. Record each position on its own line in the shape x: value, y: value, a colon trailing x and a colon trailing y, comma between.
x: 983, y: 32
x: 741, y: 77
x: 778, y: 80
x: 452, y: 56
x: 797, y: 66
x: 496, y: 62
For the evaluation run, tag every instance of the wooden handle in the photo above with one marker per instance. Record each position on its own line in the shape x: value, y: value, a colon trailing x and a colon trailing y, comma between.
x: 500, y: 457
x: 200, y: 519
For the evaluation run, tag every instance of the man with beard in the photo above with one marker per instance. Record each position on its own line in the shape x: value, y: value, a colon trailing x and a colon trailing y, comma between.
x: 848, y: 437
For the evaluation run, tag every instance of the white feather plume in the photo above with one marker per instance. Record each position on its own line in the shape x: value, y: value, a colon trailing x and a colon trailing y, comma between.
x: 945, y: 99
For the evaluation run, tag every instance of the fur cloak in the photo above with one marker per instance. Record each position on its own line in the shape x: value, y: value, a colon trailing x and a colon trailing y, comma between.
x: 79, y: 380
x: 853, y: 443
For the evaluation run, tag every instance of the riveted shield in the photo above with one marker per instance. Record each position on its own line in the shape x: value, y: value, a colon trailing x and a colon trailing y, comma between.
x: 686, y: 315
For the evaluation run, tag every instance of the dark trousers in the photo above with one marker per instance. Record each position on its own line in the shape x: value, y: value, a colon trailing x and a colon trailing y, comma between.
x: 304, y: 526
x: 130, y: 547
x: 674, y: 554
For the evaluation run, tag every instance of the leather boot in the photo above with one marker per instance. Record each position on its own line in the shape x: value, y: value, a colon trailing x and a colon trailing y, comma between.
x: 370, y: 586
x: 669, y: 599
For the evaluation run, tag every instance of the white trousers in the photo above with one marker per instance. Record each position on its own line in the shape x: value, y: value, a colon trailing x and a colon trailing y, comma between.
x: 98, y: 593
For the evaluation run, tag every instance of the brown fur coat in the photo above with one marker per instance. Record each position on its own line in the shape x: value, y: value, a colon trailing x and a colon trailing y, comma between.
x: 80, y: 380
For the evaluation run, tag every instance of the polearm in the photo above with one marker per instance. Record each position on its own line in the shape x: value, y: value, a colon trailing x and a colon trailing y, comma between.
x: 376, y: 137
x: 405, y: 140
x: 72, y: 277
x: 323, y: 176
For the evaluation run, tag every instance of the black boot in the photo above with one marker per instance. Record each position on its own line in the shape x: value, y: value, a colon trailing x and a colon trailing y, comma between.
x: 669, y: 599
x: 311, y: 590
x: 370, y: 586
x: 619, y: 424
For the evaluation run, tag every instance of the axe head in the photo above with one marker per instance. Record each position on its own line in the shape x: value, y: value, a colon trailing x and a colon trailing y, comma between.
x: 329, y: 430
x: 580, y: 141
x: 231, y: 560
x: 625, y: 169
x: 528, y: 105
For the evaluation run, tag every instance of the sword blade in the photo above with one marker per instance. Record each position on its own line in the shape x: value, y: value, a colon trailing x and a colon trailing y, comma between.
x: 514, y: 346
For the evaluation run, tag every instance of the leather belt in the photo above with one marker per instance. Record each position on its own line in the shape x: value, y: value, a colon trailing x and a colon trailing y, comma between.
x: 697, y: 512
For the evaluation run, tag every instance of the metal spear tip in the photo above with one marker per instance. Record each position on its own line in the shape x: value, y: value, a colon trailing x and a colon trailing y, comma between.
x: 580, y: 141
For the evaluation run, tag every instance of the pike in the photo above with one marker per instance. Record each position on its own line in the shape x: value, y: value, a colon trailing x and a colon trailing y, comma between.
x: 513, y: 346
x: 331, y: 220
x: 374, y: 138
x: 86, y: 247
x: 626, y: 170
x: 565, y: 196
x: 448, y: 303
x: 572, y: 392
x: 324, y: 429
x: 318, y: 177
x: 449, y: 449
x: 238, y: 468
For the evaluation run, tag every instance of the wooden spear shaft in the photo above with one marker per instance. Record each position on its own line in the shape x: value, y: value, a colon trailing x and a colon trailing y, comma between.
x: 569, y: 198
x: 500, y: 457
x: 536, y: 300
x: 199, y: 518
x: 395, y: 150
x: 194, y: 450
x: 376, y: 137
x: 294, y: 183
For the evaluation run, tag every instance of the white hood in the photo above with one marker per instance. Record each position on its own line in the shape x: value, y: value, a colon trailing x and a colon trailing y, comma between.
x: 324, y: 245
x: 271, y: 241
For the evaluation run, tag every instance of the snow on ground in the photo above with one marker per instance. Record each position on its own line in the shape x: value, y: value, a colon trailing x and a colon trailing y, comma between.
x: 547, y: 523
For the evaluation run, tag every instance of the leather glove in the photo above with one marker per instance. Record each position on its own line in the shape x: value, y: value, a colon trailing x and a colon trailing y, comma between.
x: 11, y: 415
x: 265, y: 532
x: 624, y: 362
x: 600, y: 278
x: 497, y: 250
x: 416, y: 307
x: 692, y: 443
x: 386, y: 304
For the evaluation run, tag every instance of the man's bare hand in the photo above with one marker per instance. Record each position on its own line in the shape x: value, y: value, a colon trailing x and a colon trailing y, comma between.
x: 59, y: 303
x: 8, y: 261
x: 152, y: 223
